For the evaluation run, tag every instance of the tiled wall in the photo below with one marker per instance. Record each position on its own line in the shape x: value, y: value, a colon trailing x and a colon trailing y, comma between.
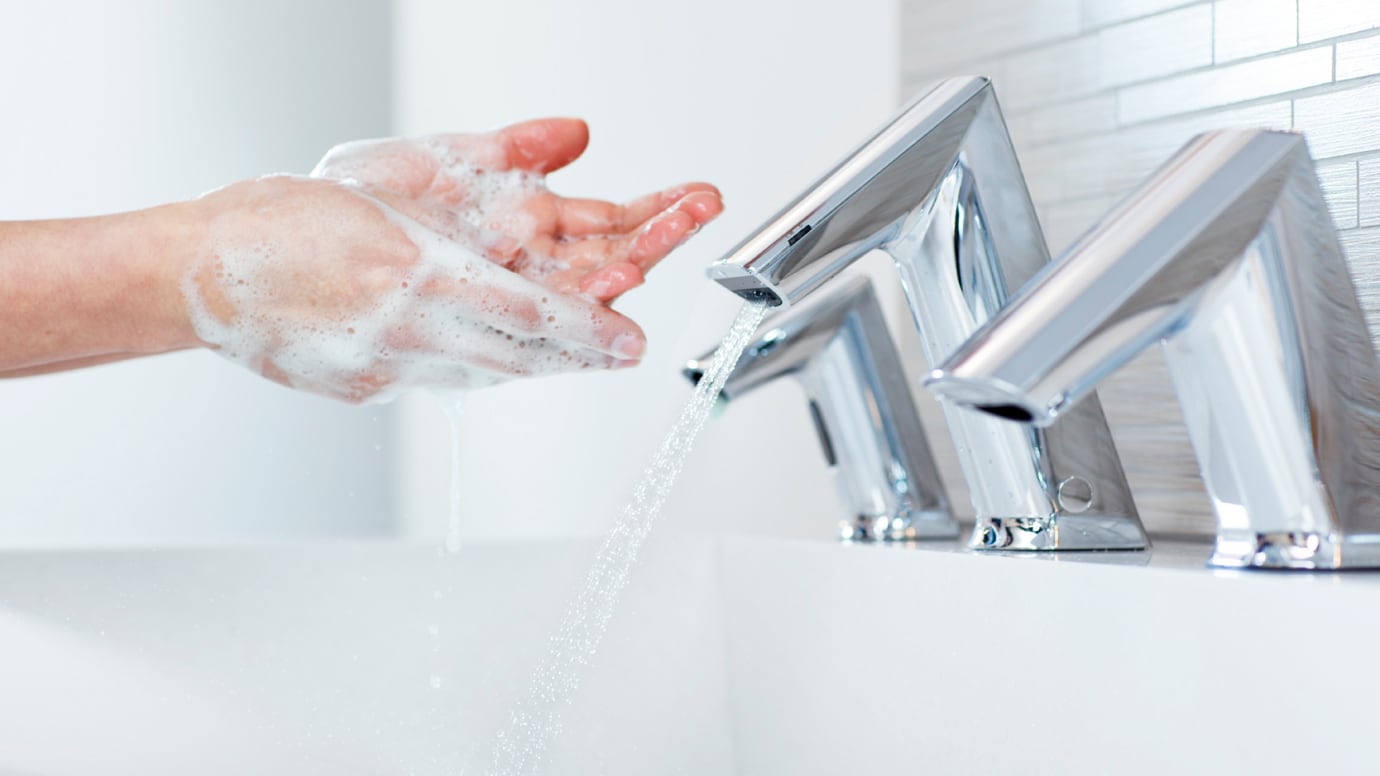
x: 1098, y: 92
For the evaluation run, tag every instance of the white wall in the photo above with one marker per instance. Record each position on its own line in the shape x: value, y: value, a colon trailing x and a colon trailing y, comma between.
x: 113, y: 106
x: 756, y: 96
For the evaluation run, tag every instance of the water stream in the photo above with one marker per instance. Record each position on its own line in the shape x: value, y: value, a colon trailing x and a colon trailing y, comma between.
x: 453, y: 402
x: 536, y: 719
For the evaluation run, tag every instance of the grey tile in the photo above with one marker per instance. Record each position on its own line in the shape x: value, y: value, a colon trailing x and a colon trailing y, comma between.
x: 1358, y: 58
x: 1099, y: 13
x: 1338, y: 181
x: 1368, y: 192
x: 1322, y: 19
x: 1225, y: 85
x: 1160, y: 45
x: 1245, y: 28
x: 1342, y: 122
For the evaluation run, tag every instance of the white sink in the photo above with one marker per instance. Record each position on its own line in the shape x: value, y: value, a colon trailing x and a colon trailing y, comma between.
x: 730, y: 655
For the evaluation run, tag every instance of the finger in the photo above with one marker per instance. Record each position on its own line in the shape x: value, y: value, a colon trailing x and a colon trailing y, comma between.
x: 659, y: 237
x: 542, y: 145
x: 602, y: 285
x: 666, y: 232
x: 592, y: 217
x: 608, y: 283
x: 436, y: 357
x: 447, y: 223
x: 644, y: 248
x: 490, y: 295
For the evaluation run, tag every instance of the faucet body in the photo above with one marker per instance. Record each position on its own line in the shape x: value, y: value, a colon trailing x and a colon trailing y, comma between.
x: 1227, y: 255
x: 840, y: 351
x: 939, y: 190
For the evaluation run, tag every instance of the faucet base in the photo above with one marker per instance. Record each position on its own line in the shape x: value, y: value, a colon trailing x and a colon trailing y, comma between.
x: 915, y: 525
x: 1058, y: 532
x: 1299, y: 550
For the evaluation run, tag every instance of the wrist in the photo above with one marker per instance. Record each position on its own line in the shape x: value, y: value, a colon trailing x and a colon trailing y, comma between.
x: 158, y: 247
x: 92, y: 290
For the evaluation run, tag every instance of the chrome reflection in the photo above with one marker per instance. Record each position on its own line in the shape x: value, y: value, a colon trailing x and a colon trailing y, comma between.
x: 1228, y: 257
x: 940, y: 190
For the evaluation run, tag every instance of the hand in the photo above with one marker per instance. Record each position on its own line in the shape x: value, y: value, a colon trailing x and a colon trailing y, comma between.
x: 322, y: 286
x: 489, y: 190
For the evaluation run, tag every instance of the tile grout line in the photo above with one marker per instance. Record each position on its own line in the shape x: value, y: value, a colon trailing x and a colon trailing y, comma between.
x: 1212, y: 32
x: 1004, y: 57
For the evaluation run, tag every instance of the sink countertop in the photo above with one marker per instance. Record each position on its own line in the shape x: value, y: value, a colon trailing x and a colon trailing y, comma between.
x: 727, y: 655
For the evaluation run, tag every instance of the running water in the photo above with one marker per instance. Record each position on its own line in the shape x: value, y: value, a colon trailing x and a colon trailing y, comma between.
x: 536, y: 720
x: 453, y: 402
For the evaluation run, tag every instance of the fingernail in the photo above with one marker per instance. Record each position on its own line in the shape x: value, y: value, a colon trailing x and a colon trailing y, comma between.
x: 625, y: 363
x: 629, y: 346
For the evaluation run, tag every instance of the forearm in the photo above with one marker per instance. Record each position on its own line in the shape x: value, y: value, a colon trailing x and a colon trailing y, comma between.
x: 83, y: 291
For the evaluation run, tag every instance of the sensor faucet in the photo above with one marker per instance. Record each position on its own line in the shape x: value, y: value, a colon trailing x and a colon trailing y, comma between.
x: 838, y: 347
x: 939, y: 189
x: 1227, y: 256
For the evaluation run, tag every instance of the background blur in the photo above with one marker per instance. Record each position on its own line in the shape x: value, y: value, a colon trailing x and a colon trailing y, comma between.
x: 119, y: 106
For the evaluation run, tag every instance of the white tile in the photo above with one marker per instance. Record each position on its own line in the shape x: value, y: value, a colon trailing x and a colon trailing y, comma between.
x: 1338, y: 181
x: 1160, y: 45
x: 1108, y: 165
x: 1094, y: 115
x: 1362, y: 249
x: 1056, y: 73
x: 1225, y: 85
x: 940, y: 34
x: 1065, y: 222
x: 1099, y: 13
x: 1368, y: 192
x: 1245, y: 28
x: 1358, y: 58
x: 1340, y: 123
x: 1321, y: 19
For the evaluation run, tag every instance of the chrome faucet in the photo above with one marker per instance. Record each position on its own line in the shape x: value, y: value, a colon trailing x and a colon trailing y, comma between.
x: 840, y: 351
x: 939, y: 189
x: 1227, y: 256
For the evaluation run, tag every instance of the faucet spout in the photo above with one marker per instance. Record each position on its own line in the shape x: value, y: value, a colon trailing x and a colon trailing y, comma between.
x: 939, y: 189
x: 838, y: 348
x: 861, y: 203
x: 1227, y: 255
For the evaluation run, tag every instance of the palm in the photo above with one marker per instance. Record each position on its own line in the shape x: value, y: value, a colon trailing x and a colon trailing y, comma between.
x: 487, y: 191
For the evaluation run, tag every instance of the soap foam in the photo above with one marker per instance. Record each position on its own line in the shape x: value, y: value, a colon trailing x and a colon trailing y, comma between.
x: 465, y: 196
x: 450, y: 318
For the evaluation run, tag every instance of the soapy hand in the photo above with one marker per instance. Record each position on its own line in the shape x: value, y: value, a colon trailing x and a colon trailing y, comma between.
x: 489, y: 190
x: 435, y: 262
